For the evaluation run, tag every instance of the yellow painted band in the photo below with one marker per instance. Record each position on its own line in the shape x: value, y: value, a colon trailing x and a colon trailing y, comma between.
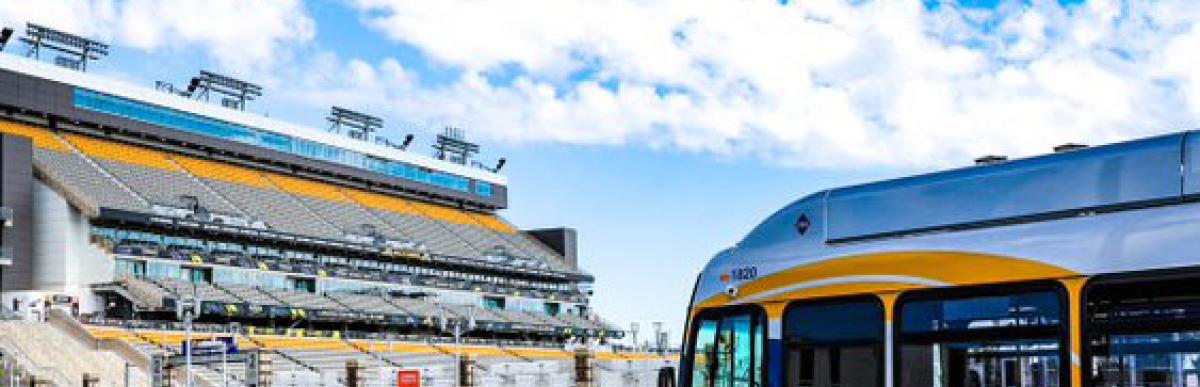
x: 951, y: 268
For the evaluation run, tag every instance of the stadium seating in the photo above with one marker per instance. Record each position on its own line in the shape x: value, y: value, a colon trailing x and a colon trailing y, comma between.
x: 250, y: 295
x: 42, y: 138
x: 368, y: 303
x: 305, y: 300
x: 197, y: 291
x: 129, y: 177
x: 430, y: 232
x: 331, y: 204
x: 108, y: 150
x: 84, y: 180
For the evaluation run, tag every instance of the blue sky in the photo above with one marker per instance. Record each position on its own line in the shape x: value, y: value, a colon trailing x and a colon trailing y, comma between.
x: 665, y: 130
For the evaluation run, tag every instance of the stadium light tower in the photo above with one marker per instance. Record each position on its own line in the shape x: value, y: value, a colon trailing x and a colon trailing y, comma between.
x: 236, y: 92
x: 358, y: 125
x: 79, y: 50
x: 452, y: 146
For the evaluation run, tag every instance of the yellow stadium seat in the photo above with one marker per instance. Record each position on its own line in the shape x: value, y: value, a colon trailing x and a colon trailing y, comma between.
x: 223, y: 172
x: 541, y: 353
x: 42, y: 138
x: 114, y: 151
x: 311, y: 343
x: 493, y: 222
x: 393, y: 347
x: 383, y: 202
x: 307, y: 187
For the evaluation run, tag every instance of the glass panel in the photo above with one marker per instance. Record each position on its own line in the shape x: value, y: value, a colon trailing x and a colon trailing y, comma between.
x: 988, y: 341
x: 842, y: 354
x: 742, y: 352
x: 204, y: 126
x: 1145, y: 334
x: 1018, y: 363
x: 704, y: 362
x: 728, y: 352
x: 1158, y: 359
x: 1021, y: 310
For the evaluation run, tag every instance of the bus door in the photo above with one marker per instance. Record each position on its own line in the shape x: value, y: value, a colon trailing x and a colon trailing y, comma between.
x: 727, y: 349
x: 983, y: 338
x: 834, y: 343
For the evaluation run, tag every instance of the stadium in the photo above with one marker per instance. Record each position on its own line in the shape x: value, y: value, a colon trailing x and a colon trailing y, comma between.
x: 149, y: 231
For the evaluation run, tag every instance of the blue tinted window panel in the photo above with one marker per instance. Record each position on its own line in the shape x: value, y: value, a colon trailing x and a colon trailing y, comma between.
x: 89, y: 100
x: 857, y: 322
x: 1038, y: 309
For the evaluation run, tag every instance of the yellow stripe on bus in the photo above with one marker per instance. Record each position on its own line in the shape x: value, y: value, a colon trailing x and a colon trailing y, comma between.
x: 861, y: 274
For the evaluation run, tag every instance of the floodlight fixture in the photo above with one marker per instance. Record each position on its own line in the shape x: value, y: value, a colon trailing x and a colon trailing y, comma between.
x: 359, y: 125
x: 5, y: 35
x: 236, y: 92
x: 452, y: 146
x: 78, y: 50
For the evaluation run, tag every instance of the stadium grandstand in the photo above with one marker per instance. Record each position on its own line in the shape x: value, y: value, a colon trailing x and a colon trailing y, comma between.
x: 135, y: 216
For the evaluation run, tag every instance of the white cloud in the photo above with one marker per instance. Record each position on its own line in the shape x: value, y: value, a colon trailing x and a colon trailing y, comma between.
x: 814, y: 83
x: 240, y: 35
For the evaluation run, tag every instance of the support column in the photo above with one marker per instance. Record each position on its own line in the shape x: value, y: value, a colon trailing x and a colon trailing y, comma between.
x: 353, y: 379
x: 466, y: 371
x: 889, y: 341
x: 159, y: 374
x: 266, y: 368
x: 584, y: 368
x: 1075, y: 305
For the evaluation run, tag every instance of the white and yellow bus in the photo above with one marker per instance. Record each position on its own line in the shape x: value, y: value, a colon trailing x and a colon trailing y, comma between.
x: 1077, y: 268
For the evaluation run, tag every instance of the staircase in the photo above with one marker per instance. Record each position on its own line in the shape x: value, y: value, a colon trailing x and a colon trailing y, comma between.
x: 43, y: 350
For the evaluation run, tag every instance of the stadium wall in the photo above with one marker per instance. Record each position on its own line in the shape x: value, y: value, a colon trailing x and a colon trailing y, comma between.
x: 16, y: 193
x: 62, y: 261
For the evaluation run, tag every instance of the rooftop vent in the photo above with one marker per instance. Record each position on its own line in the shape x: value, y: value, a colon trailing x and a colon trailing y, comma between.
x: 1069, y: 147
x: 990, y: 159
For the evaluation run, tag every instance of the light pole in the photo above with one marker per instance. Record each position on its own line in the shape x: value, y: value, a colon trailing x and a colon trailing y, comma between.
x: 633, y: 331
x: 187, y: 355
x: 187, y: 312
x: 657, y: 335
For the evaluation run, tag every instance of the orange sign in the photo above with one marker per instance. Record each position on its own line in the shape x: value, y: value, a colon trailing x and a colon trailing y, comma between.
x: 408, y: 378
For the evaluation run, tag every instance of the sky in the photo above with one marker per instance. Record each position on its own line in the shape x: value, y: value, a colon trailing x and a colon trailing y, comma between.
x: 664, y: 130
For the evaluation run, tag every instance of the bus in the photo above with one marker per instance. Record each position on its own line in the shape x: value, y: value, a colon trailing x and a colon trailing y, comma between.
x: 1080, y: 267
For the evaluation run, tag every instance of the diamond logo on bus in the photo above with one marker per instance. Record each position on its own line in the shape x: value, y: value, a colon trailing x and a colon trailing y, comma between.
x: 803, y: 224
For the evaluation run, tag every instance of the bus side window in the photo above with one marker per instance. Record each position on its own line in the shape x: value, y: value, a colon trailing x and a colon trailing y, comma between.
x: 834, y: 343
